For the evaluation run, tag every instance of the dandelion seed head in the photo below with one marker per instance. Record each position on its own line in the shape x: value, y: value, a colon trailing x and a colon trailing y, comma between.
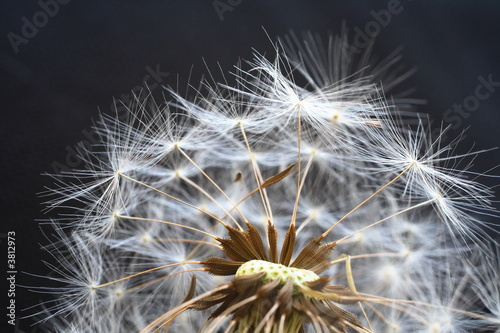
x: 269, y: 206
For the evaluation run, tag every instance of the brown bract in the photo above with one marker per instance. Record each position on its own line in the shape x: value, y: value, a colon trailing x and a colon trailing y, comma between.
x: 254, y: 304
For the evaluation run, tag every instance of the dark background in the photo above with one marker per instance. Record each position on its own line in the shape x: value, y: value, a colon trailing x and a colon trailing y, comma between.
x: 91, y: 51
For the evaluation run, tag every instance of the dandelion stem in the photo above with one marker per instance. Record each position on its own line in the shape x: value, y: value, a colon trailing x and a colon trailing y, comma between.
x: 296, y: 205
x: 193, y: 251
x: 166, y: 222
x: 217, y: 186
x: 389, y: 302
x: 368, y: 255
x: 258, y: 178
x: 385, y: 219
x: 144, y: 272
x: 368, y: 199
x: 174, y: 198
x: 190, y: 182
x: 165, y: 277
x: 299, y: 184
x: 198, y: 242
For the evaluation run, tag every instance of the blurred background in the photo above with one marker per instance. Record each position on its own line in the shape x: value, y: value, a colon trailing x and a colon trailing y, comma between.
x: 64, y: 61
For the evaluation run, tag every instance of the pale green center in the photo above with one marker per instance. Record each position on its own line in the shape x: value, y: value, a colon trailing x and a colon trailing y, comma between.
x: 277, y: 272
